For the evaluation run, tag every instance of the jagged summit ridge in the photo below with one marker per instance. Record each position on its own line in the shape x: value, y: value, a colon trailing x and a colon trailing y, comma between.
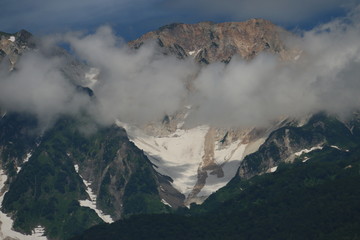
x: 13, y: 45
x: 210, y: 42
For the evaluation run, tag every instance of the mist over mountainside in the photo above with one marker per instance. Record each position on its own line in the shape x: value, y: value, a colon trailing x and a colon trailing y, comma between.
x: 143, y: 85
x: 111, y: 129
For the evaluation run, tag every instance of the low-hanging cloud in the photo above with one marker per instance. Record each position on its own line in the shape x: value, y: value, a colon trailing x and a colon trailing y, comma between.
x: 38, y: 86
x: 137, y: 86
x: 325, y: 77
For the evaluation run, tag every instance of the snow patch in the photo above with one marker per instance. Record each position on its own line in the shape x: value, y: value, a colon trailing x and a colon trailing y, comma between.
x: 214, y: 183
x: 92, y: 202
x: 194, y: 53
x: 12, y: 38
x: 273, y: 169
x: 180, y: 154
x: 6, y: 222
x: 336, y: 147
x: 234, y: 151
x: 165, y: 202
x: 308, y: 150
x: 26, y: 159
x: 348, y: 166
x: 77, y: 169
x: 229, y: 159
x: 177, y: 155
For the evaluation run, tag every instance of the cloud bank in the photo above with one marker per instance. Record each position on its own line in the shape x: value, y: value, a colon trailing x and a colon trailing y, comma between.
x: 138, y: 86
x: 325, y: 77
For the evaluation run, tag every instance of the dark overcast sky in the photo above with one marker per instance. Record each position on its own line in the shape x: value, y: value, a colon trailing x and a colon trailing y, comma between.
x: 131, y: 18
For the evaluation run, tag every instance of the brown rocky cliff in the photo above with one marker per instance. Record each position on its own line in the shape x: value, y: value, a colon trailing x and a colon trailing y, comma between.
x: 210, y: 42
x: 13, y: 45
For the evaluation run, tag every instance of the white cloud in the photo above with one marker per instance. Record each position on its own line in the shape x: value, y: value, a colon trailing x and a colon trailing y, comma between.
x: 326, y: 77
x: 142, y: 85
x: 39, y: 87
x: 136, y: 86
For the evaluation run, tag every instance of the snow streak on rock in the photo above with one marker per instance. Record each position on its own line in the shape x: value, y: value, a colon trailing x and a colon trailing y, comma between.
x: 92, y: 202
x: 165, y: 202
x: 6, y: 223
x: 26, y: 159
x: 308, y: 150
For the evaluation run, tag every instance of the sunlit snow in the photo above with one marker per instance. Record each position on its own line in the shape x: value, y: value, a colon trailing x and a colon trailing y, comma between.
x: 194, y: 53
x: 319, y: 147
x: 12, y: 38
x: 229, y: 158
x: 273, y: 169
x: 180, y: 154
x: 177, y: 155
x: 165, y: 202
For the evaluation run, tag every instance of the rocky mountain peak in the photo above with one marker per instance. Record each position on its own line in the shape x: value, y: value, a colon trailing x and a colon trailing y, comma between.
x: 211, y: 42
x: 23, y: 37
x: 13, y: 45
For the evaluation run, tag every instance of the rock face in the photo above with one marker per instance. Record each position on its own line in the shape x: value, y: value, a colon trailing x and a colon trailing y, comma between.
x: 207, y: 156
x: 291, y: 142
x: 61, y: 179
x: 209, y: 42
x: 13, y: 45
x: 66, y: 181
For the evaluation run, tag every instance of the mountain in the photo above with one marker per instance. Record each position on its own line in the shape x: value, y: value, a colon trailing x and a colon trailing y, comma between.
x: 315, y: 196
x: 61, y: 179
x: 210, y: 42
x: 207, y: 155
x: 297, y: 179
x: 13, y: 45
x: 65, y: 181
x: 288, y: 143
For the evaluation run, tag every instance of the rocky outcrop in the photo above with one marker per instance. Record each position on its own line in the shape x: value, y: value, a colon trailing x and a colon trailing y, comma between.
x: 13, y: 45
x: 209, y: 42
x: 290, y: 142
x: 56, y: 179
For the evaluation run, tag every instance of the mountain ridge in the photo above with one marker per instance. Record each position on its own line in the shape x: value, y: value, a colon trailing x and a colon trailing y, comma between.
x: 210, y: 42
x: 125, y: 170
